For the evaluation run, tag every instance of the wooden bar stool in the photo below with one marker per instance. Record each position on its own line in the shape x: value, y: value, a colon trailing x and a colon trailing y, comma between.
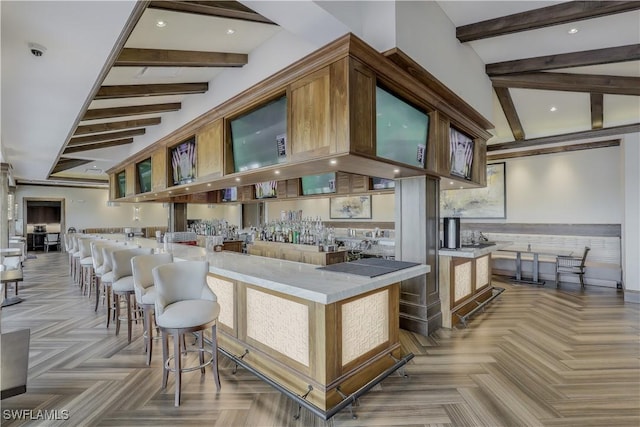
x: 184, y: 304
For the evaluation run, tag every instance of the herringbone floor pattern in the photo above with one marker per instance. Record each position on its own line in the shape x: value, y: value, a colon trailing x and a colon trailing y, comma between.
x: 535, y: 357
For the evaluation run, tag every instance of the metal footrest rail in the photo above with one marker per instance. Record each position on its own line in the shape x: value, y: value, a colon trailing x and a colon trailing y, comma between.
x: 480, y: 305
x: 348, y: 400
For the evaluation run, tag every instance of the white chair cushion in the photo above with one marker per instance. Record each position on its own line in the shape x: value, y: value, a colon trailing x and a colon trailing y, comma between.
x: 123, y: 284
x: 149, y: 297
x: 86, y: 261
x: 107, y: 277
x: 188, y: 313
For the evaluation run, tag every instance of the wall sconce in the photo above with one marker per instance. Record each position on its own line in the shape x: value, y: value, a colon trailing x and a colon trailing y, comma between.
x: 136, y: 213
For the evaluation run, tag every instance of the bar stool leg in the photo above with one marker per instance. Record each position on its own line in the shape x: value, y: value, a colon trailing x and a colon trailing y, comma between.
x: 177, y: 364
x: 129, y: 320
x: 200, y: 336
x: 116, y: 301
x: 165, y: 357
x: 107, y: 291
x: 97, y: 293
x: 148, y: 327
x: 214, y: 355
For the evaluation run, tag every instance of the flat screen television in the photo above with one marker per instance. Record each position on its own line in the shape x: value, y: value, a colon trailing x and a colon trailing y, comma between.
x: 183, y: 162
x: 143, y: 169
x: 230, y: 194
x: 461, y: 153
x: 402, y: 130
x: 382, y: 183
x: 319, y: 184
x: 259, y: 138
x: 121, y: 180
x: 266, y: 190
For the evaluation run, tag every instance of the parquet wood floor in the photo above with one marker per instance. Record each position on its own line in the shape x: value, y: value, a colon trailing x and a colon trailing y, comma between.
x: 535, y: 357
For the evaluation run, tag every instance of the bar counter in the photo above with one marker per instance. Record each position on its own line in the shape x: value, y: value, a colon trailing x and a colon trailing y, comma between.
x: 305, y: 330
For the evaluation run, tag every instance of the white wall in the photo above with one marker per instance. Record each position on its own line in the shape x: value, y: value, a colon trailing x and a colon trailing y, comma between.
x: 581, y: 187
x: 232, y: 213
x: 382, y: 208
x: 87, y: 207
x: 425, y: 33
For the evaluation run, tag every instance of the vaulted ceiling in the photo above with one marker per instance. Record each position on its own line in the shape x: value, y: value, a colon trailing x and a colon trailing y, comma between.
x: 561, y: 72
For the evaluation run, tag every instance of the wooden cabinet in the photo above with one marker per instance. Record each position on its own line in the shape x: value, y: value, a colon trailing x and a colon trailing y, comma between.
x: 210, y: 150
x: 159, y: 170
x: 130, y: 173
x: 288, y: 188
x: 362, y: 89
x: 246, y: 193
x: 347, y: 183
x: 298, y: 253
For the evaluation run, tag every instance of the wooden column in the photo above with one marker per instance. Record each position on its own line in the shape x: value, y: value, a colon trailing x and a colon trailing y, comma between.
x: 416, y: 213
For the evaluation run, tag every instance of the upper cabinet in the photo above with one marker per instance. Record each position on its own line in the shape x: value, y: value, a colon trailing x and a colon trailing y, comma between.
x: 344, y: 108
x: 210, y: 150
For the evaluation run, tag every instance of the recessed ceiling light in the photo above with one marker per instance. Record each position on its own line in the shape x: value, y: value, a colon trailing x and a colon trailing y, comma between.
x: 333, y: 161
x: 186, y: 189
x: 230, y: 31
x: 277, y: 172
x: 553, y: 109
x: 161, y: 23
x: 461, y: 187
x: 396, y: 171
x: 237, y: 179
x: 573, y: 31
x: 209, y: 185
x: 450, y: 182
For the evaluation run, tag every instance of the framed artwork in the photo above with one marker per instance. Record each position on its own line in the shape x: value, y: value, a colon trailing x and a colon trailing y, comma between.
x: 486, y: 202
x: 461, y: 153
x: 350, y: 207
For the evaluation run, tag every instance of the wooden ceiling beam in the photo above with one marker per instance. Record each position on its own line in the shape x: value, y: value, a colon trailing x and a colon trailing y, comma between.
x: 87, y: 147
x: 64, y: 164
x: 137, y: 110
x: 554, y: 150
x: 566, y: 60
x: 130, y: 57
x: 506, y: 102
x: 542, y: 17
x: 111, y: 126
x: 135, y: 91
x: 570, y: 82
x: 83, y: 140
x: 597, y: 110
x: 611, y: 131
x: 222, y: 9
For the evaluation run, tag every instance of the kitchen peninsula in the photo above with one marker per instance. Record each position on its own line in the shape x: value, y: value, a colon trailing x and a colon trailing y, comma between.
x: 301, y: 327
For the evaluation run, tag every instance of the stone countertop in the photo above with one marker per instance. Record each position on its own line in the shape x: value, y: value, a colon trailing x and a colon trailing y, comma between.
x: 292, y: 278
x: 473, y: 252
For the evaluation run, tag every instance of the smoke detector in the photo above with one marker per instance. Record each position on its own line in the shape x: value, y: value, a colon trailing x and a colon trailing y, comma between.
x: 37, y: 49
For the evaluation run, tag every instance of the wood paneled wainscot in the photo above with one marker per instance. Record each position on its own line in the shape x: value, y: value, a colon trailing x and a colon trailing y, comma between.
x: 308, y: 254
x: 465, y: 278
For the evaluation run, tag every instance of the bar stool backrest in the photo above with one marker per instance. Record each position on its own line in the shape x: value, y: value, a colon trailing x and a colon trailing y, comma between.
x: 141, y: 267
x: 121, y: 261
x: 179, y: 281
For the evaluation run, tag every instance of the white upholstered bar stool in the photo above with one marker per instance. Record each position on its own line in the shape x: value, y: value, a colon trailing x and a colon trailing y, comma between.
x: 97, y: 255
x: 184, y: 303
x: 107, y: 275
x: 141, y: 267
x: 74, y: 254
x: 86, y: 265
x: 122, y: 285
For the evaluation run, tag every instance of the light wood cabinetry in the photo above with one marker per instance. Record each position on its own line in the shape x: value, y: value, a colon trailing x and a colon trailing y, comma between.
x: 246, y: 193
x: 347, y: 183
x: 331, y: 115
x: 130, y: 174
x: 463, y: 282
x: 288, y: 188
x: 210, y: 150
x: 298, y: 253
x: 159, y: 170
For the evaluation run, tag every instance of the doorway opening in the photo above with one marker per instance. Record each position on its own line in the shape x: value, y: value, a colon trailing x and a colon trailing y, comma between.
x: 42, y: 216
